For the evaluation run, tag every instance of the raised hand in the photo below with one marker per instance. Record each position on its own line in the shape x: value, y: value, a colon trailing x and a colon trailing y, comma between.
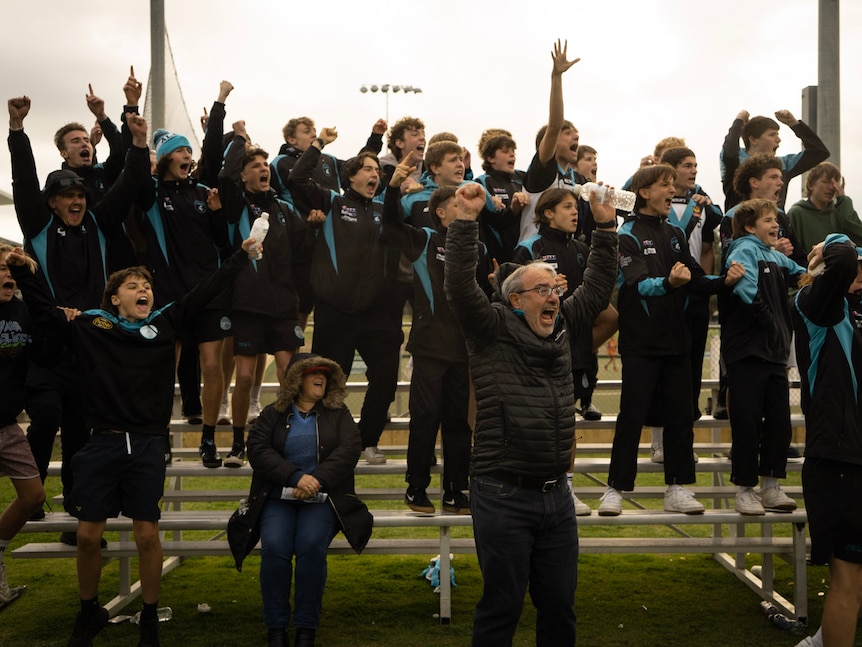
x: 405, y: 167
x: 786, y: 117
x: 138, y: 127
x: 328, y: 135
x: 560, y: 58
x: 224, y: 89
x: 133, y: 89
x: 96, y: 104
x: 380, y: 126
x: 19, y: 108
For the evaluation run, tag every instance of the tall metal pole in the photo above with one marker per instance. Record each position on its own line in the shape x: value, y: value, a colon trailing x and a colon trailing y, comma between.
x: 828, y: 79
x: 157, y: 64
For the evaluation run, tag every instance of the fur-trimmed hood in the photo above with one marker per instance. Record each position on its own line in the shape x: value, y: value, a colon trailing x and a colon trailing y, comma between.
x: 336, y: 388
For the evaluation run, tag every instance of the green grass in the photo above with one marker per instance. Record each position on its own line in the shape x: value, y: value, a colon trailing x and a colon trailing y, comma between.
x: 627, y: 600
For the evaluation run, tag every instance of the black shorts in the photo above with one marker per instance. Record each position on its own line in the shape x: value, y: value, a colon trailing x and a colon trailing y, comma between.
x: 833, y: 501
x: 254, y: 334
x: 211, y: 325
x: 118, y: 472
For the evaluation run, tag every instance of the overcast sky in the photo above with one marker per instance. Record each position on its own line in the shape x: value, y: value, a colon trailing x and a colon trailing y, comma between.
x: 647, y: 70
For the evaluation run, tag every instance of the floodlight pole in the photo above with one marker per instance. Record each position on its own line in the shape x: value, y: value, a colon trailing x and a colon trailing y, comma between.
x: 157, y: 64
x: 828, y: 78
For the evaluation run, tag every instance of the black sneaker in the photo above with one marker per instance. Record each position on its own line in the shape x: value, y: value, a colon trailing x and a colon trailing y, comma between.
x: 209, y: 454
x: 456, y: 502
x: 793, y: 452
x: 589, y: 412
x: 417, y: 500
x: 236, y: 457
x: 38, y: 515
x: 149, y: 634
x: 720, y: 412
x: 86, y: 630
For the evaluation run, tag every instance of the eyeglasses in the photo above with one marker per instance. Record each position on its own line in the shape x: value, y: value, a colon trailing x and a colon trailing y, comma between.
x: 544, y: 290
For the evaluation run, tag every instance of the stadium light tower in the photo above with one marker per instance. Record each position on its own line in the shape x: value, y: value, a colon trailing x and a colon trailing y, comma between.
x: 386, y: 88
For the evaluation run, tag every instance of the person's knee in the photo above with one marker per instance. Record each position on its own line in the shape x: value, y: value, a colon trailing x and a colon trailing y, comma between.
x: 32, y: 495
x: 89, y: 539
x: 147, y: 536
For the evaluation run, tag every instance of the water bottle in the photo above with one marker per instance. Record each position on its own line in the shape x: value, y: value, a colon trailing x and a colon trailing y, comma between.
x: 287, y: 493
x: 622, y: 200
x: 162, y: 613
x: 258, y: 231
x: 779, y: 619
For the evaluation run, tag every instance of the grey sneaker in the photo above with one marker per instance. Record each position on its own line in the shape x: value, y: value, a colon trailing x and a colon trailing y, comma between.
x: 581, y: 508
x: 373, y: 456
x: 679, y: 499
x: 747, y: 502
x: 775, y: 500
x: 656, y: 453
x: 611, y: 503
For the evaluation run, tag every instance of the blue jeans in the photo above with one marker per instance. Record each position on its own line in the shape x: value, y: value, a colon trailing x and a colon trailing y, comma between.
x: 524, y: 537
x: 288, y: 529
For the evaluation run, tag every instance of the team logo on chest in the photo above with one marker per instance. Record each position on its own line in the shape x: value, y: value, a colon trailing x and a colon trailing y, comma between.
x: 649, y: 248
x: 550, y: 259
x: 200, y: 206
x: 348, y: 214
x: 441, y: 254
x: 674, y: 243
x: 101, y: 322
x: 149, y: 331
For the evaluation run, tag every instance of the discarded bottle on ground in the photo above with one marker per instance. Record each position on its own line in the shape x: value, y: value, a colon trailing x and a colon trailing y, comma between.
x: 622, y: 200
x: 779, y: 619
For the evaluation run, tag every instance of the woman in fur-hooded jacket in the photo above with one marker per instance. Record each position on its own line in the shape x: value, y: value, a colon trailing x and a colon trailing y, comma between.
x: 303, y: 445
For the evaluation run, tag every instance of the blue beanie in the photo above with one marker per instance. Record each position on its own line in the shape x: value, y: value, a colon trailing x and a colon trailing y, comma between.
x: 167, y: 143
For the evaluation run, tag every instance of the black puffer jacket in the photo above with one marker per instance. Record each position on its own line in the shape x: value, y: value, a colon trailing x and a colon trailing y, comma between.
x: 525, y: 416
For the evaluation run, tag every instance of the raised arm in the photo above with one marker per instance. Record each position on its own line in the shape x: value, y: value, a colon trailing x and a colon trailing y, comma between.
x: 211, y: 152
x: 814, y: 150
x: 114, y: 164
x: 556, y: 115
x: 33, y: 214
x: 468, y: 303
x: 405, y: 238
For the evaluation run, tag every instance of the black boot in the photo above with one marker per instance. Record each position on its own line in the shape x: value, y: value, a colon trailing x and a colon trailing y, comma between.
x: 277, y: 638
x: 305, y: 637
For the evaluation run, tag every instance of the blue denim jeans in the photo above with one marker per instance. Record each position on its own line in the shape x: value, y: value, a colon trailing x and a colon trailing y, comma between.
x: 303, y: 530
x: 524, y: 538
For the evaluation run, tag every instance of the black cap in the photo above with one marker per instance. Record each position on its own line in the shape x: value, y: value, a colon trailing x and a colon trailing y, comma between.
x: 59, y: 181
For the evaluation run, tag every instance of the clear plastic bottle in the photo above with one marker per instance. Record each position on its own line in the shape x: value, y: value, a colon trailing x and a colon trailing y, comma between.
x: 259, y: 228
x: 779, y: 619
x: 622, y: 200
x: 320, y: 497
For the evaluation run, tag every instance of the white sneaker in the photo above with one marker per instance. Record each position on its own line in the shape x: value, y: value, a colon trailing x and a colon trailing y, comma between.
x: 611, y: 503
x: 253, y: 410
x: 811, y: 641
x: 374, y: 456
x: 8, y: 594
x: 747, y: 502
x: 224, y: 414
x: 656, y: 453
x: 694, y: 456
x: 581, y: 508
x: 678, y: 499
x: 775, y: 500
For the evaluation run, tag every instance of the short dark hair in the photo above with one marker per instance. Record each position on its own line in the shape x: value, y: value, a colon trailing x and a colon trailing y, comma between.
x: 646, y: 176
x: 824, y: 169
x: 65, y: 130
x: 436, y: 152
x: 755, y: 128
x: 674, y: 156
x: 251, y: 152
x: 490, y: 147
x: 748, y: 212
x: 439, y: 198
x: 549, y: 200
x: 352, y: 166
x: 116, y: 279
x: 754, y: 167
x: 397, y: 132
